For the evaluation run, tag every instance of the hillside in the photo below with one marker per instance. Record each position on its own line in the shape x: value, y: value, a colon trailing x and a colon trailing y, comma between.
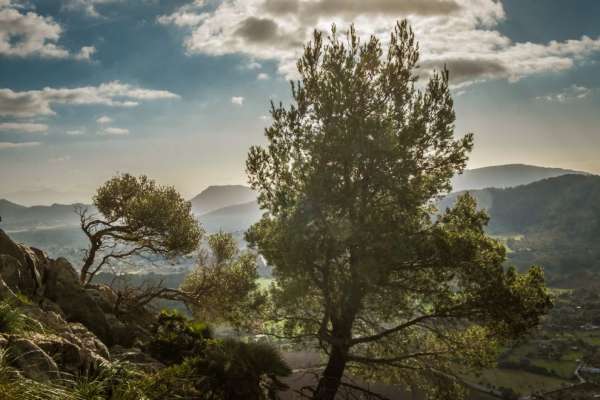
x: 17, y: 217
x: 504, y: 176
x: 554, y: 222
x: 231, y: 219
x: 216, y: 197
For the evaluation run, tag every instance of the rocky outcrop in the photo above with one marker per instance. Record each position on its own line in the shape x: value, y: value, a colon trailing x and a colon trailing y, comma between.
x: 32, y: 360
x: 62, y: 286
x: 68, y: 325
x: 22, y: 266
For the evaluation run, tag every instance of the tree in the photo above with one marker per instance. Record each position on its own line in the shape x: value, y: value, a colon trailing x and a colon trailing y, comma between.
x: 137, y: 217
x: 363, y: 269
x: 223, y: 287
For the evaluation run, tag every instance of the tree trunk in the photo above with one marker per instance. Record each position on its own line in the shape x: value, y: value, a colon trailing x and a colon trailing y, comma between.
x: 332, y: 375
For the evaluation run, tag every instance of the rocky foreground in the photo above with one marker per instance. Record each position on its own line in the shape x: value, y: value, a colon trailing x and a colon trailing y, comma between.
x: 70, y: 330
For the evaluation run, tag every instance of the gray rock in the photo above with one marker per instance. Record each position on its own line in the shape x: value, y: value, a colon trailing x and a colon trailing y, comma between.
x: 25, y: 275
x: 63, y: 288
x: 32, y: 360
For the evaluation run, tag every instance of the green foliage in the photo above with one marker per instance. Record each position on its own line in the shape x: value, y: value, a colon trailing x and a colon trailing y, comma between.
x: 139, y: 216
x: 227, y: 370
x: 349, y: 178
x: 224, y: 286
x: 11, y: 319
x: 176, y: 337
x: 14, y: 386
x: 552, y: 222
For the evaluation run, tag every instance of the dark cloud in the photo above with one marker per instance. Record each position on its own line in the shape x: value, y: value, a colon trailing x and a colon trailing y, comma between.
x: 258, y: 30
x: 265, y: 31
x: 361, y: 7
x: 463, y: 69
x: 282, y: 6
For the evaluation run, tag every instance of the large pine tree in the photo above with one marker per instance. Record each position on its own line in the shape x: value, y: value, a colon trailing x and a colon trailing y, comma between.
x: 362, y: 269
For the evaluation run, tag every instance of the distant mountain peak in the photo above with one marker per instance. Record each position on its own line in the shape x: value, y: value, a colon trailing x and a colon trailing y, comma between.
x: 220, y: 196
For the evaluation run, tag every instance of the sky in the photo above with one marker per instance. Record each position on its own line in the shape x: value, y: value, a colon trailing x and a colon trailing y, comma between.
x: 180, y: 89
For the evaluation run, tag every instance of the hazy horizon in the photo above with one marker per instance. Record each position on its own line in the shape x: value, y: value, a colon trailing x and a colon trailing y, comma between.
x: 179, y: 90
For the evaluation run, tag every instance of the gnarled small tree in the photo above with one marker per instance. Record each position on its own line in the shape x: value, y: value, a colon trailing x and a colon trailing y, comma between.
x: 349, y: 178
x: 136, y: 217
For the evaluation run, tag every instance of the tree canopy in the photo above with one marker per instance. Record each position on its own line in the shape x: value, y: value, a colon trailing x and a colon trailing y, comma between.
x: 363, y: 270
x: 137, y: 216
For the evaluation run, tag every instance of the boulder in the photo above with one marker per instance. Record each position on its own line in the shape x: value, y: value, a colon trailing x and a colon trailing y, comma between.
x: 22, y: 266
x: 62, y: 286
x: 104, y: 296
x: 73, y: 355
x: 32, y: 360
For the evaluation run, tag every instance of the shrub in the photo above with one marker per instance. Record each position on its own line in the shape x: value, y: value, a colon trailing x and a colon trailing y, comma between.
x: 176, y: 337
x: 228, y: 370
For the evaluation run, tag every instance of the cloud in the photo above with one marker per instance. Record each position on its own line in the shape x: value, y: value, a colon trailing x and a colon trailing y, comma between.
x: 75, y: 132
x: 462, y: 34
x: 572, y: 93
x: 112, y: 94
x: 114, y: 131
x: 10, y: 145
x: 87, y: 6
x: 85, y: 54
x: 23, y: 127
x: 25, y: 34
x: 354, y: 8
x: 262, y: 77
x: 237, y: 100
x: 104, y: 120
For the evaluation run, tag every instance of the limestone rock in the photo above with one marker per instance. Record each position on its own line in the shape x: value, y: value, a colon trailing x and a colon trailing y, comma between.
x: 63, y: 288
x: 32, y: 360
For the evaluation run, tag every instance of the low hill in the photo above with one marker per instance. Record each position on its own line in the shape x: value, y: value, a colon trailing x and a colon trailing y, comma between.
x: 554, y: 222
x: 17, y: 217
x: 216, y: 197
x: 504, y: 176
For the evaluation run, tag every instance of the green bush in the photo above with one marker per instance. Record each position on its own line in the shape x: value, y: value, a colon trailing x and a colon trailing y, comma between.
x: 228, y: 370
x: 11, y: 320
x: 176, y: 338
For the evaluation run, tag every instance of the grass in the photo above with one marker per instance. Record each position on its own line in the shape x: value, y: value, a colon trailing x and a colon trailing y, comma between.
x: 521, y: 382
x: 11, y: 320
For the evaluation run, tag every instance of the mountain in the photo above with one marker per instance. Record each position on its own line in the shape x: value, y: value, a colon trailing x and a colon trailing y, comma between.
x: 18, y: 217
x: 504, y: 176
x: 45, y: 196
x: 554, y: 222
x: 215, y: 197
x: 234, y: 218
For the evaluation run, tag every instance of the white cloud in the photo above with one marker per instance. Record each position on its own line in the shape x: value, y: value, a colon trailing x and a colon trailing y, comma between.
x: 262, y: 77
x: 104, y: 120
x: 87, y: 6
x: 237, y: 100
x: 24, y: 127
x: 573, y: 92
x: 75, y: 132
x: 10, y: 145
x: 114, y: 131
x: 462, y: 34
x: 113, y: 94
x: 85, y: 54
x: 26, y: 33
